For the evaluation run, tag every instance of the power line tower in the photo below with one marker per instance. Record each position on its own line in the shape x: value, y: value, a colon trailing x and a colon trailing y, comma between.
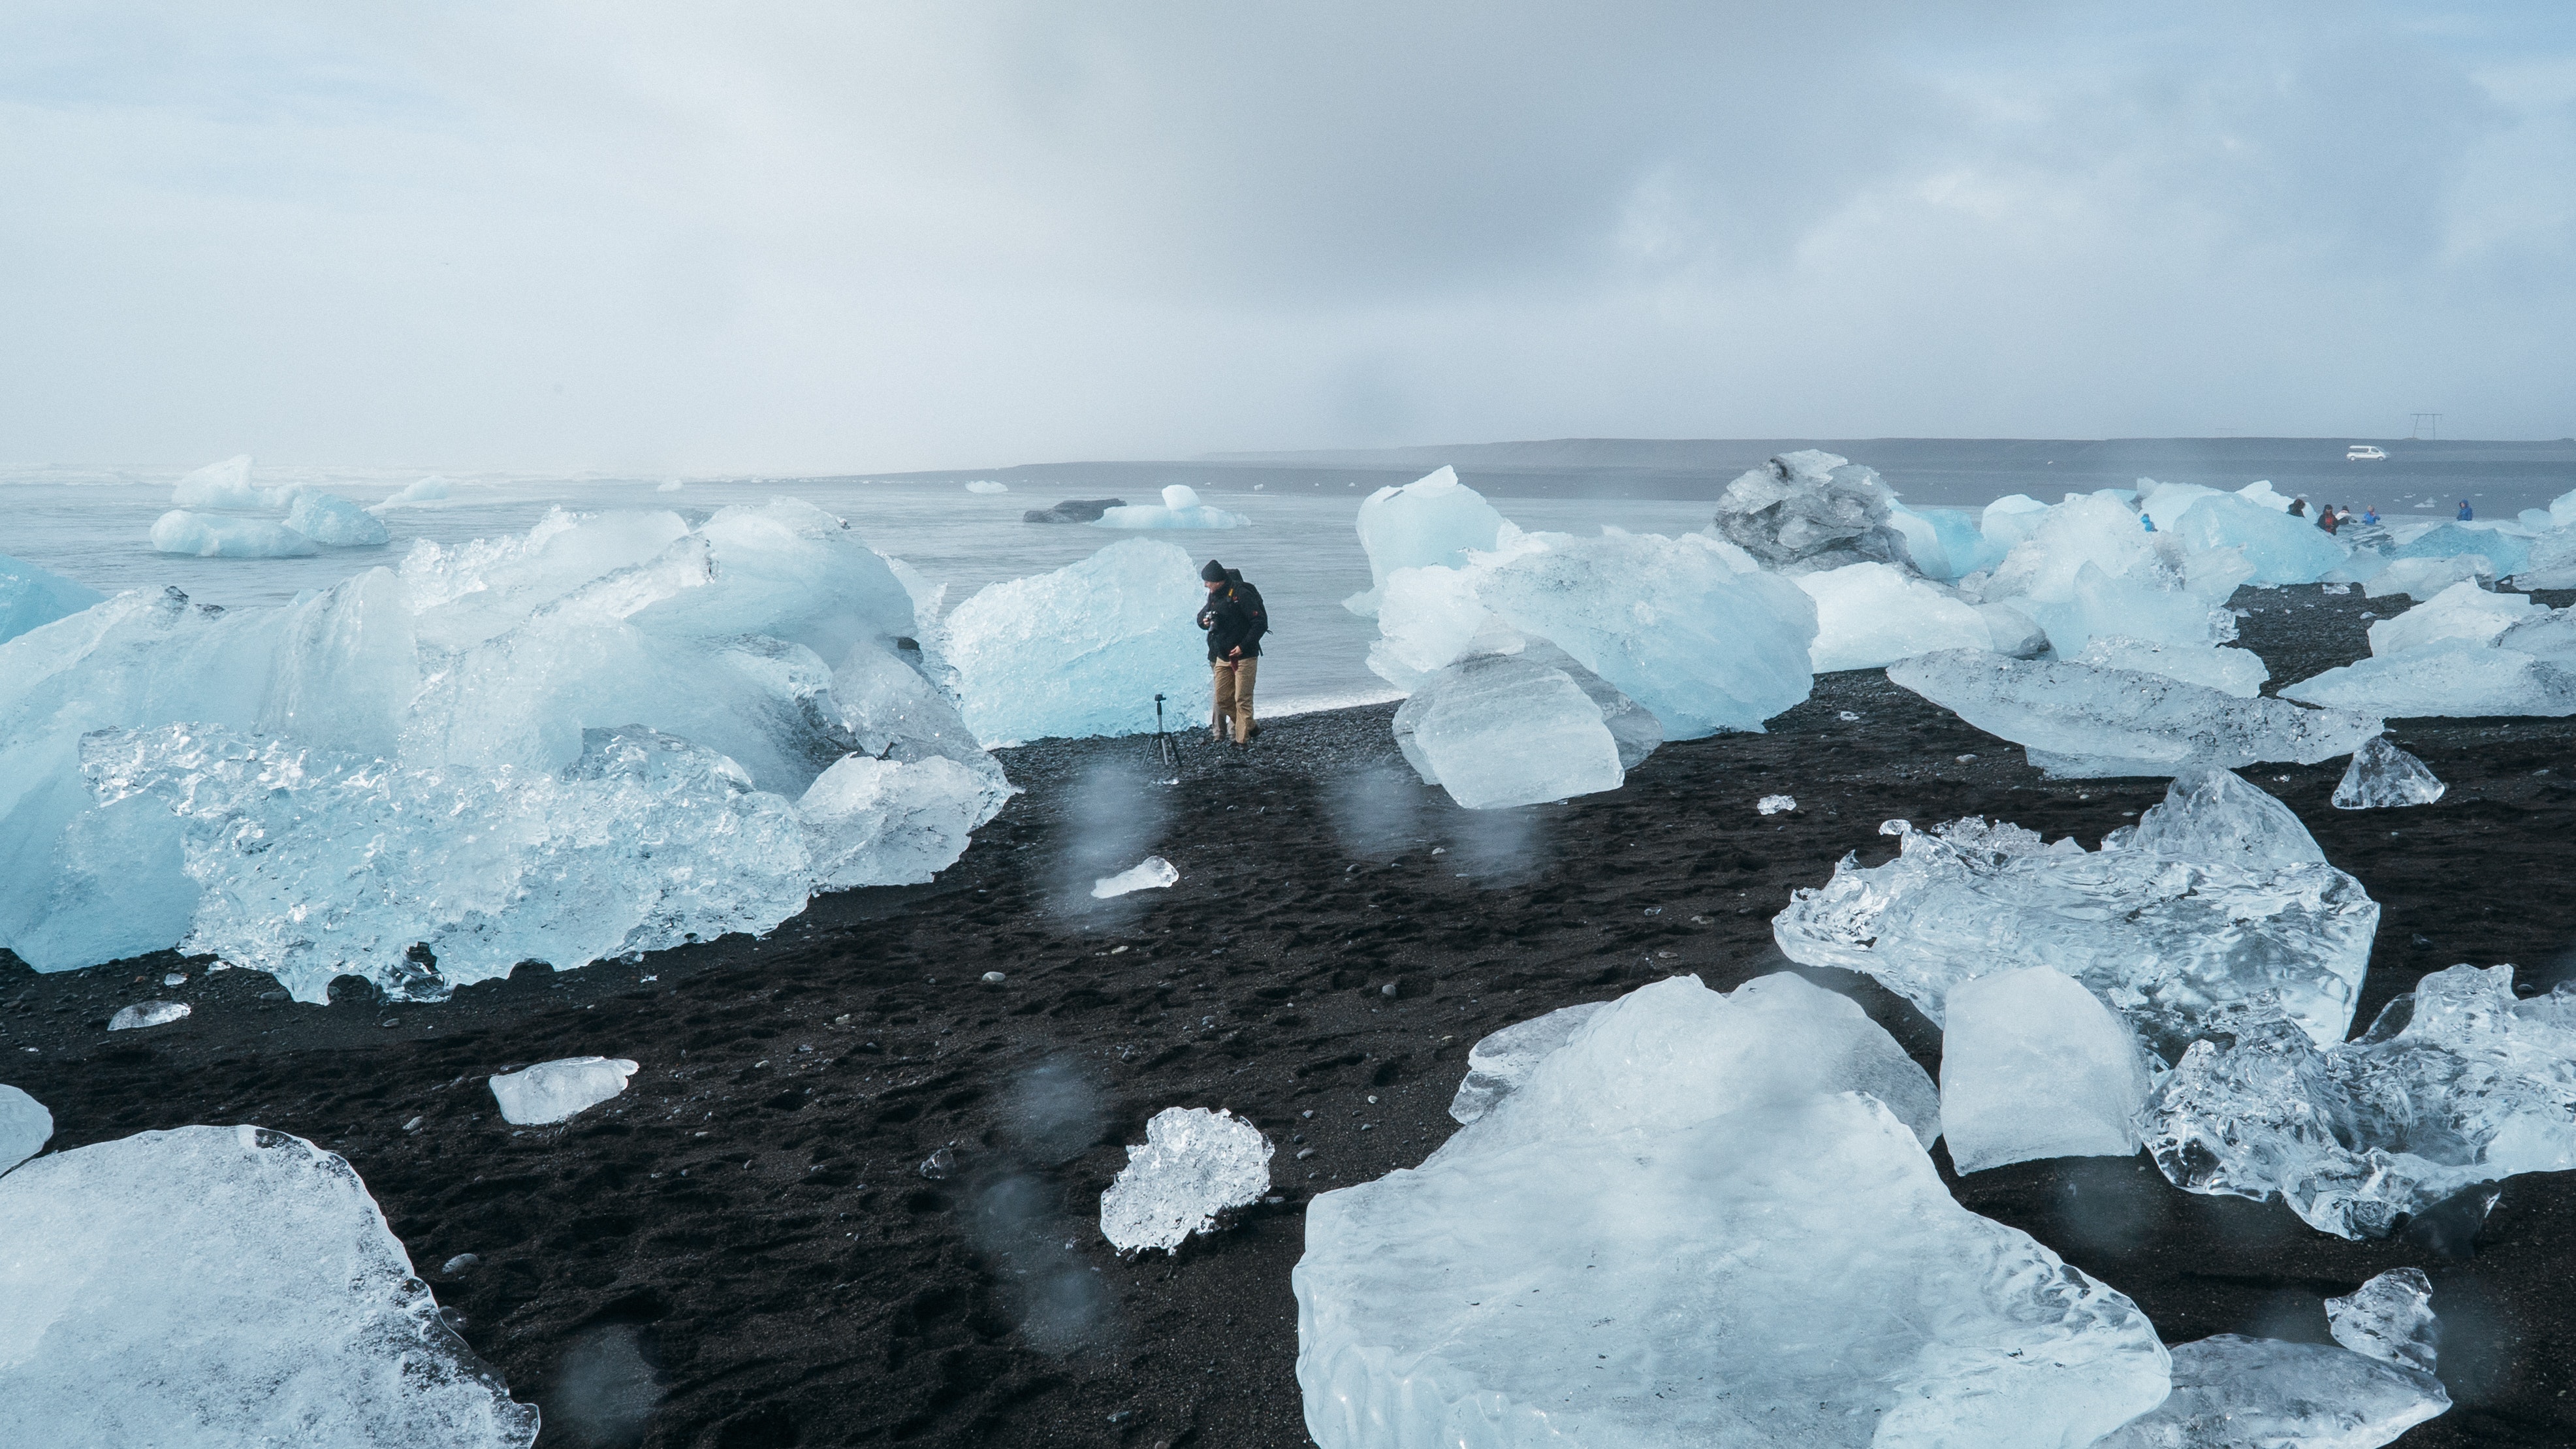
x: 2427, y: 426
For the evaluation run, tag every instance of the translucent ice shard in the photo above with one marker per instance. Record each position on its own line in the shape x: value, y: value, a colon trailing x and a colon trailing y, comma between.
x: 1869, y: 615
x: 2239, y: 672
x: 2457, y: 1083
x: 871, y: 822
x: 2032, y: 1065
x: 1431, y: 521
x: 1193, y: 1165
x: 559, y: 1090
x: 218, y: 1286
x: 1499, y: 730
x: 1153, y: 873
x: 334, y: 522
x: 2389, y: 1318
x: 30, y: 596
x: 2082, y: 720
x: 2231, y: 1392
x: 1083, y: 650
x: 1499, y: 1063
x: 2382, y: 776
x: 144, y: 1014
x: 2166, y: 939
x: 1699, y: 1222
x: 25, y: 1127
x: 2455, y: 678
x: 209, y: 535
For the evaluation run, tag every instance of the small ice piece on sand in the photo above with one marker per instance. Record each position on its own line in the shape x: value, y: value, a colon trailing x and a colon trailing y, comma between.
x: 2388, y: 1318
x: 1152, y: 873
x: 2239, y: 672
x: 558, y: 1090
x: 335, y: 522
x: 208, y: 536
x: 25, y: 1126
x: 2383, y: 776
x: 1193, y: 1165
x: 1776, y: 804
x: 1498, y: 1064
x: 225, y: 1286
x: 148, y: 1013
x: 994, y: 978
x: 2232, y: 1392
x: 987, y: 485
x: 2033, y: 1065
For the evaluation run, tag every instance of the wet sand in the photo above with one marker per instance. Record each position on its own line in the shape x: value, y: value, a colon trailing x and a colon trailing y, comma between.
x: 743, y: 1250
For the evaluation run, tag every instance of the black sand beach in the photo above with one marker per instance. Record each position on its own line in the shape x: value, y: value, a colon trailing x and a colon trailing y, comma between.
x: 743, y: 1249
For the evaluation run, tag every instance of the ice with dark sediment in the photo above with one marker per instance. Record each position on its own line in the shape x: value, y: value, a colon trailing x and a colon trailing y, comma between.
x: 209, y: 1287
x: 2033, y: 1065
x: 2084, y: 720
x: 557, y: 1091
x: 1702, y: 1220
x: 1812, y: 510
x: 1498, y: 1063
x: 1432, y: 522
x: 2457, y: 1083
x: 25, y: 1126
x: 30, y: 596
x: 2218, y: 897
x: 2238, y: 672
x: 1193, y: 1165
x: 2382, y: 776
x: 1084, y: 649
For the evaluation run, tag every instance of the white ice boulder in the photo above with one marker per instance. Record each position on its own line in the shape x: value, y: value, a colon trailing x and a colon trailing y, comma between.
x: 1499, y: 730
x: 2462, y: 611
x: 558, y: 1091
x: 225, y: 485
x: 143, y: 1015
x: 223, y: 1286
x: 2456, y: 678
x: 30, y: 596
x: 2033, y: 1065
x: 1498, y: 1063
x: 2234, y: 1392
x: 1153, y: 873
x: 25, y: 1127
x: 2086, y: 720
x: 1869, y: 615
x: 2426, y: 578
x: 208, y: 535
x: 1083, y: 650
x: 1180, y: 508
x: 2151, y: 608
x: 1433, y: 521
x: 2382, y: 776
x: 1192, y: 1165
x: 334, y: 522
x: 987, y: 486
x: 2548, y: 635
x: 2239, y: 672
x: 1700, y: 1222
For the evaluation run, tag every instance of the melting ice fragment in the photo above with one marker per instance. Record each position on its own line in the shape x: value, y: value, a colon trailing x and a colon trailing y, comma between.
x: 556, y: 1091
x: 2082, y: 720
x: 25, y: 1126
x: 2382, y: 776
x: 1499, y: 1063
x: 2232, y: 1392
x: 224, y: 1286
x: 148, y: 1013
x: 987, y: 485
x: 1151, y: 873
x: 2032, y: 1065
x: 1776, y: 804
x: 2389, y: 1318
x: 1083, y: 650
x: 2426, y: 578
x: 2462, y: 611
x: 224, y: 485
x: 1700, y: 1222
x: 209, y: 535
x: 1811, y: 510
x: 1869, y: 615
x: 1193, y: 1165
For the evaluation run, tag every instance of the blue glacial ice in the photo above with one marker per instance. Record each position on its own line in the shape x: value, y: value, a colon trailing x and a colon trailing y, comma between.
x: 335, y: 522
x: 30, y: 596
x: 2239, y: 672
x: 2424, y: 578
x: 1703, y: 1219
x: 596, y: 738
x: 221, y: 1286
x: 2282, y: 548
x: 2235, y: 1392
x: 1180, y: 508
x: 1083, y: 650
x: 2453, y: 678
x: 2505, y: 553
x: 2462, y: 611
x: 214, y: 535
x: 2085, y: 567
x: 1433, y: 521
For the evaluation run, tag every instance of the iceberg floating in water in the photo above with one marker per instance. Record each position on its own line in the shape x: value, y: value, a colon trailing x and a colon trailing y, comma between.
x: 1083, y: 650
x: 25, y: 1127
x: 1193, y: 1165
x: 987, y: 485
x: 2084, y: 720
x: 434, y: 489
x: 1704, y: 1219
x: 208, y: 535
x: 1811, y: 510
x: 1432, y: 522
x: 30, y: 596
x: 1180, y: 508
x: 226, y: 485
x: 2032, y: 1065
x: 558, y: 1091
x: 334, y: 522
x: 216, y: 1286
x: 2382, y: 776
x: 2213, y: 901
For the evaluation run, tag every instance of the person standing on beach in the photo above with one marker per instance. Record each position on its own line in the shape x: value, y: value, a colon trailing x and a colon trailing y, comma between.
x: 2298, y: 508
x: 1235, y: 621
x: 2466, y: 512
x: 2326, y: 519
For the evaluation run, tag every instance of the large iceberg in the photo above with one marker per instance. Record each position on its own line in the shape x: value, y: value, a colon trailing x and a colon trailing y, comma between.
x: 1433, y: 521
x: 2457, y: 1083
x: 2033, y: 1065
x: 1704, y: 1219
x: 589, y: 740
x: 2282, y: 548
x: 30, y: 596
x: 1083, y: 650
x: 2219, y: 897
x: 211, y: 535
x: 1869, y: 615
x: 1811, y: 510
x: 218, y: 1286
x: 334, y: 522
x: 2086, y: 720
x: 2088, y: 567
x: 1180, y: 508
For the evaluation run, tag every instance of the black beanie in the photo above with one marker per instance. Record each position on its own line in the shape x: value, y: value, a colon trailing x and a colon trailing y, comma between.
x: 1214, y: 573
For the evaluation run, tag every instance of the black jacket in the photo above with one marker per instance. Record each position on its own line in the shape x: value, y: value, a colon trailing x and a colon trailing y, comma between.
x: 1234, y: 618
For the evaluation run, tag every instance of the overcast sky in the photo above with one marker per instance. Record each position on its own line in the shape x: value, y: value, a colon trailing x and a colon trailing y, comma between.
x: 850, y: 237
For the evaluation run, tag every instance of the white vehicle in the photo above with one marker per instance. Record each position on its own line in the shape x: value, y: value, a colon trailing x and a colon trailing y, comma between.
x: 2362, y: 452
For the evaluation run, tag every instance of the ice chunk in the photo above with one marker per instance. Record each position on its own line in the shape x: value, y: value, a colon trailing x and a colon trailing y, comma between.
x: 1700, y: 1222
x: 2281, y: 548
x: 333, y: 522
x: 148, y: 1013
x: 1499, y: 1063
x: 1073, y: 510
x: 2239, y: 672
x: 2462, y: 611
x: 1498, y: 730
x: 2085, y: 720
x: 1776, y: 804
x: 2389, y: 1318
x: 2166, y: 940
x: 2505, y: 554
x: 208, y: 535
x: 30, y: 596
x: 2032, y: 1065
x: 1945, y: 543
x: 1180, y: 508
x: 1869, y: 615
x: 871, y: 822
x: 2152, y: 609
x: 1150, y: 874
x: 1811, y: 510
x: 2232, y: 1392
x: 434, y: 489
x: 2548, y: 636
x: 2216, y: 817
x: 1433, y: 521
x: 1194, y: 1164
x: 2425, y: 578
x: 224, y: 1286
x: 25, y: 1127
x: 2013, y: 633
x: 558, y: 1091
x: 225, y: 485
x: 2454, y: 678
x: 2456, y: 1084
x: 1083, y: 650
x: 987, y: 485
x: 2383, y: 776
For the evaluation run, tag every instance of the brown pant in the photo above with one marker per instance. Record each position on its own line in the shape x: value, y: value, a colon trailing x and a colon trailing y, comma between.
x: 1234, y: 697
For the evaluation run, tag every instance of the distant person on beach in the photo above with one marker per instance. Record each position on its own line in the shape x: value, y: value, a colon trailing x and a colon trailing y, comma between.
x: 2148, y: 519
x: 2370, y: 513
x: 2298, y: 508
x: 2466, y: 512
x: 1234, y: 621
x: 2326, y: 519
